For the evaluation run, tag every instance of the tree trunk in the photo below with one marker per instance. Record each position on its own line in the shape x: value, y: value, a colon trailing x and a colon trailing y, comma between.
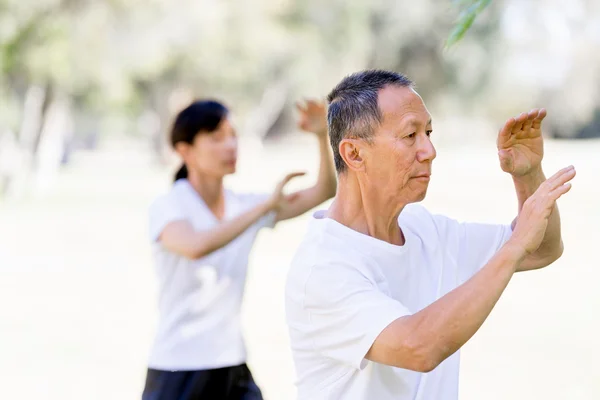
x: 271, y: 107
x: 50, y: 147
x: 43, y: 115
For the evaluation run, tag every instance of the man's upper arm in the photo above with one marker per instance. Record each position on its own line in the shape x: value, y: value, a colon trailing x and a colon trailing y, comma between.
x: 347, y: 312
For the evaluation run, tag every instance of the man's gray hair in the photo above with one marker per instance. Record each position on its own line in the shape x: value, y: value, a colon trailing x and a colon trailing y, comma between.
x: 353, y: 107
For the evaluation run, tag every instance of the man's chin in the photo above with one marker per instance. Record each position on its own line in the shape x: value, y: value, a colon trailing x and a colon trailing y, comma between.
x: 419, y: 197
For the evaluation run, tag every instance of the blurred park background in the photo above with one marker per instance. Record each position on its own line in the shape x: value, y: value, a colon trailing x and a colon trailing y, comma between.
x: 89, y: 87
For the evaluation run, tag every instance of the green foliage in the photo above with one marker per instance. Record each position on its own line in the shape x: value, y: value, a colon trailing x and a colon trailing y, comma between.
x: 469, y: 10
x: 115, y: 55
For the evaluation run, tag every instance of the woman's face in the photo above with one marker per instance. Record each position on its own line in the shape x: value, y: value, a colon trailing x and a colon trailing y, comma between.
x: 212, y: 153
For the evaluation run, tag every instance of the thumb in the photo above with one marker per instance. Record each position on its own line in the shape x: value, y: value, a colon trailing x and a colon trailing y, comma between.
x: 288, y: 178
x: 291, y: 176
x: 506, y: 160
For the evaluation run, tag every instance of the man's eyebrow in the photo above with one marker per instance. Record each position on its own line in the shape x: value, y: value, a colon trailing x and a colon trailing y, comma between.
x: 415, y: 122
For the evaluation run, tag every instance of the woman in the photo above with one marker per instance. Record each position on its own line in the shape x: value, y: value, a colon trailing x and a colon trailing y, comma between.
x: 202, y: 235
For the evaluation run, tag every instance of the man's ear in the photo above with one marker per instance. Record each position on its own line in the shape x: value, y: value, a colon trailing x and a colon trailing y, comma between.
x: 352, y: 152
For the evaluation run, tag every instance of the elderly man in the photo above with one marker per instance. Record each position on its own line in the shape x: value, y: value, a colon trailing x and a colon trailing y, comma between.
x: 382, y: 294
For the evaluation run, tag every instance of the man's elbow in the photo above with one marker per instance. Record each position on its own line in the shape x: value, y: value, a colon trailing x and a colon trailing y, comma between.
x: 542, y: 259
x: 425, y: 365
x: 560, y: 249
x: 420, y: 357
x: 553, y: 255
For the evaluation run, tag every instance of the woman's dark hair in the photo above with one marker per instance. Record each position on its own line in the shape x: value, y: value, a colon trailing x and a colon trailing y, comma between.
x: 200, y: 117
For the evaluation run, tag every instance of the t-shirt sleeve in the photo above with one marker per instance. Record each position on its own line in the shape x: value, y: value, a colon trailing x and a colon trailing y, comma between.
x: 472, y: 245
x: 346, y: 312
x: 163, y: 211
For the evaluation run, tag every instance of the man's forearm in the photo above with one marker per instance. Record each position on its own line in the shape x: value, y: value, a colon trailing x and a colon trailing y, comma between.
x: 551, y: 246
x: 460, y: 313
x: 420, y: 342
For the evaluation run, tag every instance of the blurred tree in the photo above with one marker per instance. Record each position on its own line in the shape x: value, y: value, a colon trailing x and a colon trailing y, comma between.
x: 73, y: 68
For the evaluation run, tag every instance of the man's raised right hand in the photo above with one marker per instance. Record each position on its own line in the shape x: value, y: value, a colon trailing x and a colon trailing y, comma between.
x: 533, y: 218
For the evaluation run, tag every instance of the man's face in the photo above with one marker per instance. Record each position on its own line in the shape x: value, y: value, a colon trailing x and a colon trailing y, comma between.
x: 399, y: 160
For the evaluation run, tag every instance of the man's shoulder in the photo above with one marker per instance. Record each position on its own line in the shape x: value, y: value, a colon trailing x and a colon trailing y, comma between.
x: 320, y: 243
x: 321, y: 251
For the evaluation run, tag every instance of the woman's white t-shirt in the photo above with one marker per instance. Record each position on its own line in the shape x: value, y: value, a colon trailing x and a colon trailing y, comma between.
x: 199, y: 300
x: 344, y: 288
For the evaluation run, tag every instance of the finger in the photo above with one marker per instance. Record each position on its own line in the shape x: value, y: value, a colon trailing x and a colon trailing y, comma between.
x: 291, y: 176
x: 559, y: 191
x: 519, y: 124
x: 529, y: 121
x: 561, y: 177
x: 300, y: 107
x: 284, y: 181
x: 506, y: 130
x: 320, y: 105
x: 311, y: 103
x: 315, y: 107
x: 537, y: 122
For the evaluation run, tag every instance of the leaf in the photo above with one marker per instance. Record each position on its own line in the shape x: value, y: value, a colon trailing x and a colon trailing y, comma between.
x: 470, y: 9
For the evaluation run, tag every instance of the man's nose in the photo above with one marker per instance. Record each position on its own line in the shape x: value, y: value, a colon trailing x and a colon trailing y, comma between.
x: 427, y: 150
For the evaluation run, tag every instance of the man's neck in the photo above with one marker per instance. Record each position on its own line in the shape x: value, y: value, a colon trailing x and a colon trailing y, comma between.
x: 367, y: 210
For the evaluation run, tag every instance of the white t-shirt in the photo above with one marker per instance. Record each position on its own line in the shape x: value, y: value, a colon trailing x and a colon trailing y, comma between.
x: 344, y: 288
x: 200, y: 300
